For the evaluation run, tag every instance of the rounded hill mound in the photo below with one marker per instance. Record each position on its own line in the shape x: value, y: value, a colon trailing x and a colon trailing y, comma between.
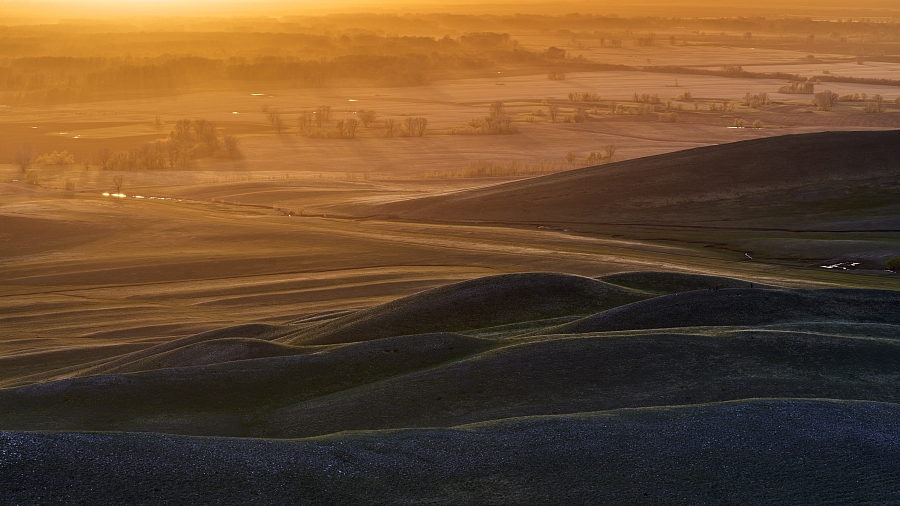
x: 674, y: 282
x: 740, y: 307
x: 479, y: 303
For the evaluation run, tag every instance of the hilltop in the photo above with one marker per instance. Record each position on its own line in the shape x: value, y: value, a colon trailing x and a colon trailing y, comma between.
x: 819, y: 180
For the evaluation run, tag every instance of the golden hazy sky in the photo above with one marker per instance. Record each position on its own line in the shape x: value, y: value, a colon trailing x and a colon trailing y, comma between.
x: 29, y: 11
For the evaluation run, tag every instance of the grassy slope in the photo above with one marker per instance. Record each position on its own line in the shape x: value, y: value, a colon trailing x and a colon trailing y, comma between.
x: 446, y: 379
x: 826, y: 359
x: 794, y: 199
x: 753, y: 452
x: 478, y: 303
x: 660, y: 283
x: 776, y: 179
x: 743, y: 306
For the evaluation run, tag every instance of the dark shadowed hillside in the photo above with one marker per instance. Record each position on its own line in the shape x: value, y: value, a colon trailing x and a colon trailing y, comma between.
x: 483, y: 390
x: 794, y: 181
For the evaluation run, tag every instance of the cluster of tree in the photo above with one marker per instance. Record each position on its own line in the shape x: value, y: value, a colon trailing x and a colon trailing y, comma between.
x: 274, y: 118
x: 312, y: 123
x: 413, y: 127
x: 593, y: 157
x: 825, y: 100
x: 756, y: 100
x: 497, y: 122
x: 645, y: 98
x: 555, y: 53
x: 639, y: 110
x: 367, y: 117
x: 684, y: 97
x: 794, y: 78
x: 862, y: 97
x: 346, y: 128
x: 853, y: 97
x: 876, y: 105
x: 556, y: 75
x: 741, y: 123
x: 668, y: 117
x: 799, y: 87
x: 55, y: 158
x: 587, y: 96
x: 188, y: 140
x: 724, y: 106
x: 315, y: 124
x: 493, y: 168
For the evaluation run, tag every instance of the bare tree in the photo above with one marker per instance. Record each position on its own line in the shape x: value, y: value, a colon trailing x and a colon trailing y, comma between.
x: 183, y: 131
x: 414, y: 127
x: 341, y: 127
x: 367, y: 117
x: 323, y: 115
x: 593, y: 158
x: 275, y: 120
x: 207, y: 133
x: 571, y: 156
x: 25, y: 157
x: 420, y: 124
x: 496, y: 108
x: 876, y: 105
x: 103, y: 156
x: 232, y: 146
x: 556, y: 75
x: 389, y: 127
x: 173, y: 152
x: 610, y: 150
x: 553, y: 112
x: 117, y: 181
x: 305, y: 122
x: 33, y: 176
x: 351, y: 125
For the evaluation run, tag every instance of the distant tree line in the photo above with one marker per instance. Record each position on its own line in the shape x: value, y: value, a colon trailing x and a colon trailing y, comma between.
x: 318, y: 124
x: 587, y: 96
x: 799, y: 87
x: 730, y: 71
x: 398, y: 61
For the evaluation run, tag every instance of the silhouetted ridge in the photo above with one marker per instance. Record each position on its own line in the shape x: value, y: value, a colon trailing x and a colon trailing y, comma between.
x: 472, y: 304
x: 674, y: 282
x: 735, y: 307
x: 701, y: 183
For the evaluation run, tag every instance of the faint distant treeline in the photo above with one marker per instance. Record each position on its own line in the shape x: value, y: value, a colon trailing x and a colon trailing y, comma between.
x: 493, y: 168
x: 408, y: 61
x: 190, y: 139
x: 738, y: 71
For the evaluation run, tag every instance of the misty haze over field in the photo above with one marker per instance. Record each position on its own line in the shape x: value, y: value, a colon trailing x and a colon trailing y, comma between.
x: 449, y: 253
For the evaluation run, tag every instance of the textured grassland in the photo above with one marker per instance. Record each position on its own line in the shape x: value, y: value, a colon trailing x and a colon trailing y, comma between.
x: 753, y: 452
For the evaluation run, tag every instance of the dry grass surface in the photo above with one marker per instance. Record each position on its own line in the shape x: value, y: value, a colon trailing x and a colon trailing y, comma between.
x: 752, y: 182
x: 732, y: 344
x: 758, y: 451
x: 169, y: 346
